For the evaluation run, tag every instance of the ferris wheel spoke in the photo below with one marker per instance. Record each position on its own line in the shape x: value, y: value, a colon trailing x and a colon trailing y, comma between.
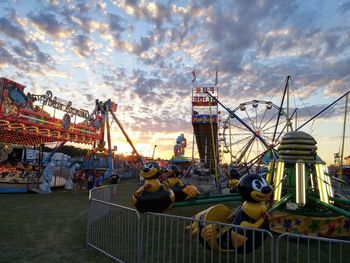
x: 262, y: 119
x: 272, y: 118
x: 229, y: 146
x: 239, y: 127
x: 264, y: 147
x: 249, y: 151
x: 267, y: 135
x: 241, y: 134
x: 257, y: 148
x: 241, y: 140
x: 268, y: 138
x: 250, y: 120
x: 242, y: 151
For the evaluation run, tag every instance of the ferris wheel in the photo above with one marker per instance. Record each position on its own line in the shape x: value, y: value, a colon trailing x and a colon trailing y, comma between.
x: 251, y: 129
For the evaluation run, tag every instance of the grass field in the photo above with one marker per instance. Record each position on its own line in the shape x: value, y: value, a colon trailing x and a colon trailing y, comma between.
x: 45, y: 228
x: 52, y: 228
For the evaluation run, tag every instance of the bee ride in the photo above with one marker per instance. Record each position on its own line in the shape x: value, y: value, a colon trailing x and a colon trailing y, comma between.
x: 255, y: 191
x: 152, y: 196
x: 181, y: 190
x: 24, y: 122
x: 303, y: 199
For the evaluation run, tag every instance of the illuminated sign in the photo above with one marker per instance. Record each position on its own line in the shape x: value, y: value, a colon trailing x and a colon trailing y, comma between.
x: 204, y: 118
x: 52, y: 102
x: 201, y: 98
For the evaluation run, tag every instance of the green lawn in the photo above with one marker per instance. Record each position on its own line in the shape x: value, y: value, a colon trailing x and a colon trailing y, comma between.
x: 52, y: 228
x: 45, y: 228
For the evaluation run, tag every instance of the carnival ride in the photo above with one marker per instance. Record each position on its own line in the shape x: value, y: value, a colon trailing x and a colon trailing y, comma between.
x: 240, y: 143
x: 179, y: 150
x: 303, y: 199
x: 255, y: 192
x: 205, y: 120
x: 182, y: 191
x: 152, y: 196
x: 25, y: 122
x: 179, y: 159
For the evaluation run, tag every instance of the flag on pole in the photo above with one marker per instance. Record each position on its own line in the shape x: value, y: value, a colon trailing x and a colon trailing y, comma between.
x: 216, y: 77
x: 194, y: 76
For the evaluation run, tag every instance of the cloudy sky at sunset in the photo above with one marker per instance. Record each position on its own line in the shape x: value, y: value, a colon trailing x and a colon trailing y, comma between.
x: 141, y: 54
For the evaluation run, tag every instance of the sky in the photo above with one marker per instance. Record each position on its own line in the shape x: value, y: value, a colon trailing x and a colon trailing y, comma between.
x: 141, y: 54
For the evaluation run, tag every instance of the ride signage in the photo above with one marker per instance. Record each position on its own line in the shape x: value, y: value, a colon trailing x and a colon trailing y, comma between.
x: 50, y: 101
x: 201, y: 98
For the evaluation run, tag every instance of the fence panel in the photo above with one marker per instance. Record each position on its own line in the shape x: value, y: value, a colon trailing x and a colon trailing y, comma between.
x: 167, y: 238
x: 114, y: 230
x: 292, y: 248
x: 116, y: 193
x: 117, y: 230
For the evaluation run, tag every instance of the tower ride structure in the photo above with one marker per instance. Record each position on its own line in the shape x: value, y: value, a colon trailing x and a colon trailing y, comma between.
x: 205, y: 122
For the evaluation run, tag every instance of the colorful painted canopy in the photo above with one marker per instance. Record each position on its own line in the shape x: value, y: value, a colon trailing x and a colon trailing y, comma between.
x: 23, y: 123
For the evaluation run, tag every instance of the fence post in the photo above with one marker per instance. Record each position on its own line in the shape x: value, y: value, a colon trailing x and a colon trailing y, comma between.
x: 88, y: 222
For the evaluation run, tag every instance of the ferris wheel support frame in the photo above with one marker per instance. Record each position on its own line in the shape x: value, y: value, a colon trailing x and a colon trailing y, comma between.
x: 241, y: 121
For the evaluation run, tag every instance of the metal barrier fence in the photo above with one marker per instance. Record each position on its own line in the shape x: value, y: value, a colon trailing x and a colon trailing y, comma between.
x: 311, y: 249
x: 122, y: 233
x: 169, y: 238
x: 116, y: 193
x: 114, y: 230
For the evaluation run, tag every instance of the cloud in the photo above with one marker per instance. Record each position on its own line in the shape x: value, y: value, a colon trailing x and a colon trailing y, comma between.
x: 12, y: 31
x: 48, y: 23
x: 115, y: 24
x: 28, y: 49
x: 141, y: 54
x: 153, y: 12
x: 83, y: 44
x: 6, y: 58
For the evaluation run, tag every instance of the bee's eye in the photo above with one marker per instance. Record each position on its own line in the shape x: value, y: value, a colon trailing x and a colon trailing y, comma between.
x: 257, y: 185
x: 149, y: 165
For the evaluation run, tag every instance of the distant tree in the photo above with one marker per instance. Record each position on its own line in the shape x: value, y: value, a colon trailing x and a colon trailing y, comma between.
x: 70, y: 150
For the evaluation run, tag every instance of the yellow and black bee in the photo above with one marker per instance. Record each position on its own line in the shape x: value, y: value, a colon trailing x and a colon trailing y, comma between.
x: 233, y: 179
x: 153, y: 196
x: 255, y: 191
x: 182, y: 191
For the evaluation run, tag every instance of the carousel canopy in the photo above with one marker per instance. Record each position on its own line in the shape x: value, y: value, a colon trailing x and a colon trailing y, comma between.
x: 23, y: 123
